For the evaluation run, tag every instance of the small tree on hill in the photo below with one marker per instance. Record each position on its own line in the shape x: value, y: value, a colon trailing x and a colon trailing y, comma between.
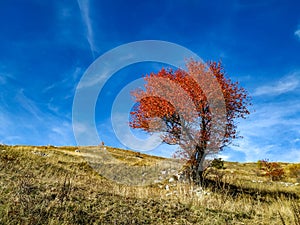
x: 187, y: 110
x: 273, y: 170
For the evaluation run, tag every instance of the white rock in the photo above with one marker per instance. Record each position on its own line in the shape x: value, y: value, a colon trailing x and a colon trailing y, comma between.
x: 171, y: 179
x: 167, y: 187
x: 163, y: 172
x: 199, y: 194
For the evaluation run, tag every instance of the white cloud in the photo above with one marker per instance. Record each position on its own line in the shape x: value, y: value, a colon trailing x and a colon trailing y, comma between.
x: 108, y: 135
x: 80, y: 127
x: 5, y: 77
x: 60, y: 133
x: 224, y: 156
x: 252, y: 149
x: 296, y: 140
x: 292, y: 155
x: 69, y: 80
x: 271, y: 132
x: 84, y: 7
x: 28, y: 104
x: 17, y: 128
x: 284, y: 85
x: 297, y: 33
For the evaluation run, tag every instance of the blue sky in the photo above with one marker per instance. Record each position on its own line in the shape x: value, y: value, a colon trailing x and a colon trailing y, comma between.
x: 46, y: 47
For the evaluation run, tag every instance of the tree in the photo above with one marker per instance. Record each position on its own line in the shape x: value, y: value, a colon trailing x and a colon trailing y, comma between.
x: 195, y: 109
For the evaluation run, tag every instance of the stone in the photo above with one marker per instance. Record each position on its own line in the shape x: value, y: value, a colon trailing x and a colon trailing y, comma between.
x: 171, y: 179
x: 163, y: 172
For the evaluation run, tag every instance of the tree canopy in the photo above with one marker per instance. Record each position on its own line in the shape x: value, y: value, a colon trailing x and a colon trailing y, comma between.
x: 195, y: 109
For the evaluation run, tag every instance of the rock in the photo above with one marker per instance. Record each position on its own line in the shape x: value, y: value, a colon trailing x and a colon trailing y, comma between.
x: 286, y: 184
x: 163, y: 172
x: 40, y: 154
x: 257, y: 181
x: 199, y: 194
x: 167, y: 187
x: 77, y: 150
x: 171, y: 179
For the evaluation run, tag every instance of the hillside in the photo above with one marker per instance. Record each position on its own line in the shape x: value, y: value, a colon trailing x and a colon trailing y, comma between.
x: 63, y: 185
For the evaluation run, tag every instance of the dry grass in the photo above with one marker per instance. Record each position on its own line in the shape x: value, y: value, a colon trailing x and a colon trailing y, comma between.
x: 50, y: 185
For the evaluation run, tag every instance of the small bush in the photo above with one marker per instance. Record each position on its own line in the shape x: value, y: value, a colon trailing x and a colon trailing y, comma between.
x: 272, y: 169
x: 218, y: 163
x: 261, y: 163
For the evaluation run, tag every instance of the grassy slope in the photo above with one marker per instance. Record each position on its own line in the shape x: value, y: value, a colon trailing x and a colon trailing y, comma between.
x: 61, y: 188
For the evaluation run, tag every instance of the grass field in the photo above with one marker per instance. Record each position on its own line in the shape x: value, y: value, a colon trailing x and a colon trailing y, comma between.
x: 62, y: 185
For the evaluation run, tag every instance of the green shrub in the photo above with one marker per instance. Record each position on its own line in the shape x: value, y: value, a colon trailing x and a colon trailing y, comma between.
x: 218, y: 163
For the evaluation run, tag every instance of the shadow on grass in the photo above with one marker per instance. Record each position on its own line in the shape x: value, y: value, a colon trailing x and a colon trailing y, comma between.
x: 256, y: 194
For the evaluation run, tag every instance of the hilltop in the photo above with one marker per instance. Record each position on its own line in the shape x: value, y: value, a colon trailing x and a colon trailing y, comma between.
x: 65, y: 185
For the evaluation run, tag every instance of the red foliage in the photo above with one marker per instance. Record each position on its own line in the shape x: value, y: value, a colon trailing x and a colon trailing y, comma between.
x: 273, y: 169
x: 182, y: 105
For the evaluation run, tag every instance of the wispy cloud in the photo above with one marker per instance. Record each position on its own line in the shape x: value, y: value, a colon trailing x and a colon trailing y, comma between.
x: 5, y: 77
x: 284, y: 85
x: 297, y: 33
x: 271, y: 132
x: 71, y: 78
x: 60, y: 132
x: 84, y: 7
x: 108, y: 134
x: 64, y: 90
x: 28, y: 104
x: 27, y: 123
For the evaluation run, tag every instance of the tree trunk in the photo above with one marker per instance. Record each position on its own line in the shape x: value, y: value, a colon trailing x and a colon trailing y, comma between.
x: 197, y: 168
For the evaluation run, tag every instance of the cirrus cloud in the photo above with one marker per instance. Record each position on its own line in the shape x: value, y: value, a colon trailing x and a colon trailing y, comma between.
x: 284, y: 85
x: 297, y: 33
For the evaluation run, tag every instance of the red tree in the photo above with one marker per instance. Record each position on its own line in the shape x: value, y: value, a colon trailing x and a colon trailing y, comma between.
x: 195, y: 109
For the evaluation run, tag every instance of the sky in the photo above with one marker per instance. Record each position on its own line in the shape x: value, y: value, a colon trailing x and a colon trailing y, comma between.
x: 47, y: 46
